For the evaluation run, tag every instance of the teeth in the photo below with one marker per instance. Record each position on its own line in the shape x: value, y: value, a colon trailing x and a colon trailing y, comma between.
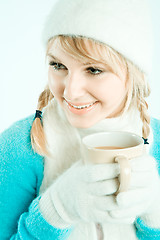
x: 84, y: 106
x: 81, y: 107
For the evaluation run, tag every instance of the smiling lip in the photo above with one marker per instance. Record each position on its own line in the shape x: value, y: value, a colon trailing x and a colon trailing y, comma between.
x: 78, y: 104
x: 81, y: 111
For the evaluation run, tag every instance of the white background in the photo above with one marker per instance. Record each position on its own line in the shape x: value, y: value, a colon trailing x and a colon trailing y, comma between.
x: 23, y: 73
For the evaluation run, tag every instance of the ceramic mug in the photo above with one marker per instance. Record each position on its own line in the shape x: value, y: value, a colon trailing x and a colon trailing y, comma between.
x: 111, y: 147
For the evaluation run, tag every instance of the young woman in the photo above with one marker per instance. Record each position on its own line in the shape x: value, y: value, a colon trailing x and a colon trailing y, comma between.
x: 96, y: 82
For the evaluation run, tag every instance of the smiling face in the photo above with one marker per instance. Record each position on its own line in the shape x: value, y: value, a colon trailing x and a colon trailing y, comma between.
x: 88, y: 91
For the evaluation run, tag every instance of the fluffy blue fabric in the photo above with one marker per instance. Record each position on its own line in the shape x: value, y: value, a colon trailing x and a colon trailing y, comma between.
x: 21, y: 174
x: 143, y: 231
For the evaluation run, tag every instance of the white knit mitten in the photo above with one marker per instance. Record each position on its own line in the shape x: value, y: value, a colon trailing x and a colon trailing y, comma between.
x: 119, y: 231
x: 143, y: 197
x: 82, y: 193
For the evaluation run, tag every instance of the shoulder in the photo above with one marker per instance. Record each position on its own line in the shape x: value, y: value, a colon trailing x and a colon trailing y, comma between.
x: 155, y: 147
x: 16, y: 151
x: 17, y: 137
x: 155, y: 125
x: 17, y: 132
x: 21, y: 173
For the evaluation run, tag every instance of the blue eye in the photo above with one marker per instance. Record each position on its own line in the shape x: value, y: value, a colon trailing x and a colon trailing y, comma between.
x: 57, y: 66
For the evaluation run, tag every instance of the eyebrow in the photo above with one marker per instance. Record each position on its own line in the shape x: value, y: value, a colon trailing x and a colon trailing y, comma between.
x: 56, y: 59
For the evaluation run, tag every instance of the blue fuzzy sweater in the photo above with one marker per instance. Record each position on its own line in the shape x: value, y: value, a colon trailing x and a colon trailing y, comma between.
x: 21, y: 174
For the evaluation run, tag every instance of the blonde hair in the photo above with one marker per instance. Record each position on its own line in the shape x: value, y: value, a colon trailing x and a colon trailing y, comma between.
x: 138, y: 89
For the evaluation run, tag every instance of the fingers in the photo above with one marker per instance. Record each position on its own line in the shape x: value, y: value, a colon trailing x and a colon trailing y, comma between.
x: 144, y: 163
x: 104, y: 188
x: 143, y: 171
x: 105, y: 203
x: 139, y: 179
x: 133, y: 197
x: 105, y: 217
x: 101, y: 172
x: 134, y: 211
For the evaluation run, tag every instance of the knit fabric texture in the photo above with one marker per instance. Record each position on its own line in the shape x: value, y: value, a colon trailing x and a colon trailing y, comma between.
x: 142, y: 230
x: 118, y: 23
x: 21, y: 174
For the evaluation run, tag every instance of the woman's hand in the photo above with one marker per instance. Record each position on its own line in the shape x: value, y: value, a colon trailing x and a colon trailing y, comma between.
x: 144, y: 191
x: 86, y: 193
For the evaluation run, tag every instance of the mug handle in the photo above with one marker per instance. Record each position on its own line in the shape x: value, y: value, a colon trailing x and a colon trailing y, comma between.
x: 125, y: 173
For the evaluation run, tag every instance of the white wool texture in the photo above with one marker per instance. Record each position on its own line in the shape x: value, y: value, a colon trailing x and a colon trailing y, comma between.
x: 64, y: 145
x: 124, y: 25
x: 64, y: 140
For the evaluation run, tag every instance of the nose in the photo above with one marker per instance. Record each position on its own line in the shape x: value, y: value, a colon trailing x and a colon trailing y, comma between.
x: 74, y: 87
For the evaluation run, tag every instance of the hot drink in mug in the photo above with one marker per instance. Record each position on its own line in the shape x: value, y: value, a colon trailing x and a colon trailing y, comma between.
x: 114, y: 146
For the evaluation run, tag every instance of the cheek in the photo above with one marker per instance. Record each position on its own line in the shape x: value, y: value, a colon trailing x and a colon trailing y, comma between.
x: 117, y: 89
x: 55, y: 83
x: 112, y: 90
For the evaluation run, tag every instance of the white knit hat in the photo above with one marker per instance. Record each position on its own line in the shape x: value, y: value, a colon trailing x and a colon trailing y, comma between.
x: 124, y: 25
